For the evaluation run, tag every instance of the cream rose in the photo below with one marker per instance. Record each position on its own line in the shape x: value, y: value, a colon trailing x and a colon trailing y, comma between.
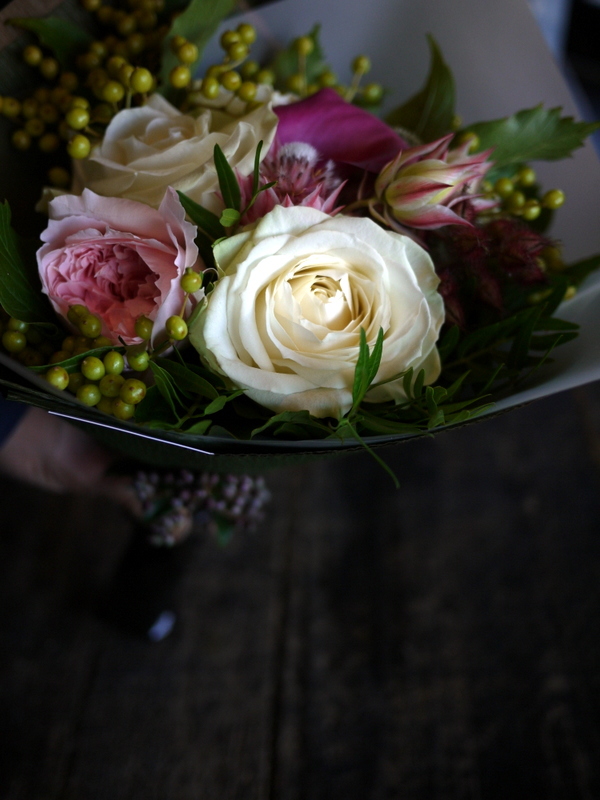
x: 147, y: 149
x: 283, y: 322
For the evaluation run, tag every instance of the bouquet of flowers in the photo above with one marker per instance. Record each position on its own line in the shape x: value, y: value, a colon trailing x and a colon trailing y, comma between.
x: 244, y: 257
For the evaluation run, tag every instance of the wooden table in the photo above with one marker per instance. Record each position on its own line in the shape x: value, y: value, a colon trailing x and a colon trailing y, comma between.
x: 441, y: 641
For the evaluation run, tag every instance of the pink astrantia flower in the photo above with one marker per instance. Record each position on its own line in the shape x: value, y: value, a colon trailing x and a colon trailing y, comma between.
x: 300, y: 177
x: 423, y: 186
x: 119, y: 258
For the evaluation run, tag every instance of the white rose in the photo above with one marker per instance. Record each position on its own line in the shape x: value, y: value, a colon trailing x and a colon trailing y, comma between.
x: 146, y: 149
x: 283, y: 322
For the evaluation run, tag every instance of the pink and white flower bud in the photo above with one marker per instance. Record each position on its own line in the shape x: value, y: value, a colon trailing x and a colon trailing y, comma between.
x: 421, y: 187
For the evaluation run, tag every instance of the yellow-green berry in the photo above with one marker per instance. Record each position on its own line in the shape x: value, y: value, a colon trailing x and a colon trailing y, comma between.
x: 114, y: 363
x: 361, y: 64
x: 138, y: 362
x: 504, y: 187
x: 57, y: 377
x: 92, y: 368
x: 79, y: 146
x: 191, y: 281
x: 89, y: 394
x: 143, y: 327
x: 187, y: 53
x: 32, y: 55
x: 14, y: 341
x: 122, y: 410
x: 553, y: 199
x: 246, y: 32
x: 231, y: 80
x: 110, y: 385
x: 180, y: 77
x: 176, y: 328
x: 141, y: 80
x: 132, y: 391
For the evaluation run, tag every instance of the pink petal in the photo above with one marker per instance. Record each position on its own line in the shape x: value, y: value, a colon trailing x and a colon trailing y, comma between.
x: 339, y: 131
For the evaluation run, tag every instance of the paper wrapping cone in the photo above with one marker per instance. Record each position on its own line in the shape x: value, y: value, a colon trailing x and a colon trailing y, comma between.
x: 501, y: 64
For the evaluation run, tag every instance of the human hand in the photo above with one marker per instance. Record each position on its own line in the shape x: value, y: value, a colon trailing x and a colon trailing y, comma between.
x: 48, y: 452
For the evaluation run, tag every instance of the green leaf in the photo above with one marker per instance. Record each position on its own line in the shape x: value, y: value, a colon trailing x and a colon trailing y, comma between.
x: 346, y: 423
x: 302, y: 418
x: 65, y: 39
x: 229, y: 217
x: 519, y: 351
x: 534, y: 134
x: 286, y: 62
x: 219, y: 402
x: 204, y: 219
x: 20, y: 295
x: 155, y: 410
x: 448, y: 342
x: 199, y: 428
x: 256, y: 170
x: 407, y: 382
x: 72, y: 364
x: 186, y: 379
x: 166, y: 386
x: 578, y: 272
x: 436, y: 420
x: 228, y: 183
x: 429, y: 114
x: 197, y: 23
x: 418, y: 386
x: 367, y: 365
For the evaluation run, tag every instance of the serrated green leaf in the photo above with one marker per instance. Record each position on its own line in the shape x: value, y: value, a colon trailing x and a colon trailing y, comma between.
x: 429, y: 113
x: 197, y: 23
x: 533, y: 134
x: 229, y: 217
x: 228, y: 183
x: 20, y: 295
x: 204, y: 219
x: 65, y: 39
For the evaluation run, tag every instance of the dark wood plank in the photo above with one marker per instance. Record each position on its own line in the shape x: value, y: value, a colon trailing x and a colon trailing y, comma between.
x: 436, y: 642
x: 444, y: 636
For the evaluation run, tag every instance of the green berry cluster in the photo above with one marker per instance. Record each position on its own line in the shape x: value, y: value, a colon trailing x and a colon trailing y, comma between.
x: 519, y: 195
x: 72, y: 108
x: 236, y: 72
x: 96, y: 381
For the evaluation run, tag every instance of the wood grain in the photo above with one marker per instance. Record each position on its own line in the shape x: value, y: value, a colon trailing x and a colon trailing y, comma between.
x: 440, y: 641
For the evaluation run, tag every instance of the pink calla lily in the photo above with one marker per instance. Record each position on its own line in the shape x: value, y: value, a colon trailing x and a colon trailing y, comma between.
x: 339, y: 131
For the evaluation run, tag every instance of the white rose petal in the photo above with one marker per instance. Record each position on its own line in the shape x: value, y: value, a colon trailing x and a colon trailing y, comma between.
x: 283, y: 322
x: 147, y: 149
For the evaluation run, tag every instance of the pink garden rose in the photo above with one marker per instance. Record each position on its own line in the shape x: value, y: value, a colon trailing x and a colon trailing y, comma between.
x: 119, y: 258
